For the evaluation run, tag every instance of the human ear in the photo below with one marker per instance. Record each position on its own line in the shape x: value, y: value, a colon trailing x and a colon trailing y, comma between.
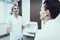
x: 47, y: 12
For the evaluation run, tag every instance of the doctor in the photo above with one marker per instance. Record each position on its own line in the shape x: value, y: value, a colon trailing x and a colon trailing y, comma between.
x: 15, y: 24
x: 51, y: 28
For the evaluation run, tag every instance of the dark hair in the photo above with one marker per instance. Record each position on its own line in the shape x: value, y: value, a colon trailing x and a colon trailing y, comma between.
x: 14, y: 6
x: 53, y: 6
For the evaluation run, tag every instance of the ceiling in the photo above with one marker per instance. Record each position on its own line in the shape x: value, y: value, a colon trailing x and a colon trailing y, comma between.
x: 10, y: 1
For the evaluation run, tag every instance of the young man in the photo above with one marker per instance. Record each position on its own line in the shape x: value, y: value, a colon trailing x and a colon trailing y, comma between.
x: 49, y: 12
x: 15, y: 24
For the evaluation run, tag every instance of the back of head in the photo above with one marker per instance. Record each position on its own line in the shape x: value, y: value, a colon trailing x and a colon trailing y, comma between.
x: 53, y: 6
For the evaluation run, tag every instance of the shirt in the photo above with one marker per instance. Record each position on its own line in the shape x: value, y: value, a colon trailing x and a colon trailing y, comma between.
x: 16, y: 27
x: 51, y: 31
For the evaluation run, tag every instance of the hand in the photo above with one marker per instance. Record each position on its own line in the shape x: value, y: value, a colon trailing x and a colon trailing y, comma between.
x: 24, y: 26
x: 8, y: 29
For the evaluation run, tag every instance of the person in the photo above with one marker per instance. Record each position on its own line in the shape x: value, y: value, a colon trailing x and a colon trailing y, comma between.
x: 49, y: 12
x: 15, y: 23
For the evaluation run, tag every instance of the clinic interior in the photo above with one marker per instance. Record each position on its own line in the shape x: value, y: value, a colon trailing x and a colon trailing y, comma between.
x: 28, y: 9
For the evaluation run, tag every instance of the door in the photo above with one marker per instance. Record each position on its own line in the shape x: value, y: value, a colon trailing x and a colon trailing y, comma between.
x: 35, y: 6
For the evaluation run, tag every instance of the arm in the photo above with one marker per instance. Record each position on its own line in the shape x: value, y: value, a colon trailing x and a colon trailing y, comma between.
x: 8, y: 29
x: 26, y: 25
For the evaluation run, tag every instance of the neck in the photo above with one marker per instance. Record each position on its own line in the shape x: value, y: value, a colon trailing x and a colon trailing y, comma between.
x: 16, y: 16
x: 47, y: 19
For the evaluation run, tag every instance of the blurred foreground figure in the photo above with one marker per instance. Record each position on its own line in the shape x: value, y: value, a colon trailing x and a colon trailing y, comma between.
x: 51, y: 27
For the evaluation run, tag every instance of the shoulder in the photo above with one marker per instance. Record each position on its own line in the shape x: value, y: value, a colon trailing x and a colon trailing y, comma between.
x: 20, y: 17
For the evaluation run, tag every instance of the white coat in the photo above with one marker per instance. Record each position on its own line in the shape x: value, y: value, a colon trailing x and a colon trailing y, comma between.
x: 16, y: 27
x: 50, y: 31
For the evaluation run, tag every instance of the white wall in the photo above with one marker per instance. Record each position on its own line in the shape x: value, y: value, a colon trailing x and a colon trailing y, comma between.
x: 5, y: 9
x: 26, y: 11
x: 1, y: 11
